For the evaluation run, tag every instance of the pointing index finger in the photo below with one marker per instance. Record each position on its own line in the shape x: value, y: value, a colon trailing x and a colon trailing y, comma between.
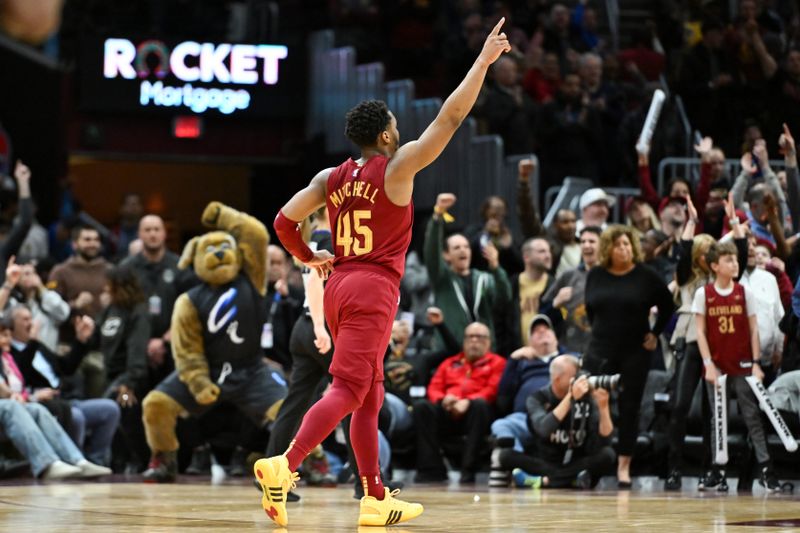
x: 496, y: 29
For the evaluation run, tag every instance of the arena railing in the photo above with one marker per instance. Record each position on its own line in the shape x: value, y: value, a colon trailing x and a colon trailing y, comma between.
x: 689, y: 168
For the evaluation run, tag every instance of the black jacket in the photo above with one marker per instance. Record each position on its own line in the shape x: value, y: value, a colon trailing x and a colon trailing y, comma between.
x: 122, y: 335
x: 62, y: 366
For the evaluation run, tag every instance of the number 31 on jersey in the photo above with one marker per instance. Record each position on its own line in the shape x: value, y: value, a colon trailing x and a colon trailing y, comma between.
x: 354, y: 237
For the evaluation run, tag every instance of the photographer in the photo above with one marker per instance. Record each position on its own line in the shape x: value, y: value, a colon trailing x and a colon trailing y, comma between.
x: 571, y: 425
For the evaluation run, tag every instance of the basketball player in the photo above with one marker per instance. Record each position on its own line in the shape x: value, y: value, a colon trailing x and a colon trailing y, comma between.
x: 371, y: 213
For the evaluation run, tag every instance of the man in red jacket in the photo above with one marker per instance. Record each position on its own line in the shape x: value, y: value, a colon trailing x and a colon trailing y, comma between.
x: 461, y: 397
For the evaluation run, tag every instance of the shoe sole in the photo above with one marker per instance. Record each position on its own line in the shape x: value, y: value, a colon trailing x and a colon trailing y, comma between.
x: 273, y: 498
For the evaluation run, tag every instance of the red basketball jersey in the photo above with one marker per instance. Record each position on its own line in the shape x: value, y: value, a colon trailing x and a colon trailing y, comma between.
x: 728, y: 331
x: 366, y: 227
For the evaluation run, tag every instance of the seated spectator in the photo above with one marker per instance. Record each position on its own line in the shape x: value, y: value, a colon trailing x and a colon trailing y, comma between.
x: 571, y: 424
x: 564, y: 302
x: 122, y: 335
x: 595, y: 205
x: 94, y: 421
x: 569, y: 134
x: 583, y: 28
x: 647, y: 62
x: 557, y: 34
x: 427, y: 361
x: 400, y: 374
x: 748, y: 42
x: 606, y: 99
x: 783, y: 92
x: 43, y: 442
x: 33, y: 430
x: 541, y: 81
x: 507, y: 109
x: 708, y: 82
x: 784, y: 393
x: 47, y: 307
x: 464, y: 294
x: 461, y: 398
x: 526, y: 372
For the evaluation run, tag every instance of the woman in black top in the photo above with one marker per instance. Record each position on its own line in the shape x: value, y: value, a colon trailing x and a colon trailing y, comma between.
x: 619, y: 294
x: 124, y: 331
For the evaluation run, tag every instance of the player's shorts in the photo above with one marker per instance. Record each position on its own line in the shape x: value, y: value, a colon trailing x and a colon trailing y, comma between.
x: 360, y: 306
x: 253, y: 389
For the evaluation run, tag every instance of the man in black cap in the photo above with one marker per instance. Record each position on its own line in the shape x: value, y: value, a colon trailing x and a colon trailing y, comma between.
x: 527, y: 370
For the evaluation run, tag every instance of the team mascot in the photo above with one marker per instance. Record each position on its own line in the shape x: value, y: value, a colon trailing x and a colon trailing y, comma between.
x: 216, y: 336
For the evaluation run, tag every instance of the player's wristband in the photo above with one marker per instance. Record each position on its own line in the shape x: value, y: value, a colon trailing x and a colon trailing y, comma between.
x: 707, y: 361
x: 757, y: 363
x: 289, y: 234
x: 733, y: 221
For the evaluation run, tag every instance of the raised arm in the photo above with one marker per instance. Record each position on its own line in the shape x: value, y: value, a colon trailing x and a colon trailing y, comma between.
x: 416, y: 155
x: 529, y: 219
x: 251, y: 238
x: 649, y: 192
x: 20, y: 228
x: 786, y: 143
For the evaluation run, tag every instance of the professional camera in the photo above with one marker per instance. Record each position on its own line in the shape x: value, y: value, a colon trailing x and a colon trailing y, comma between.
x: 608, y: 382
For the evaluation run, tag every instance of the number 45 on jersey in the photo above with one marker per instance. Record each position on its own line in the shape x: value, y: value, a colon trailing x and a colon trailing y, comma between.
x: 354, y: 236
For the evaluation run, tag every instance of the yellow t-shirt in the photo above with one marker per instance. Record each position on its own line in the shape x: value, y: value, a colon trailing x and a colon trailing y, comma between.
x: 530, y: 294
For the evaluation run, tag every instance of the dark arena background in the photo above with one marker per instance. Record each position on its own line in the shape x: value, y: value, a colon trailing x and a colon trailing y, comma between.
x: 613, y: 227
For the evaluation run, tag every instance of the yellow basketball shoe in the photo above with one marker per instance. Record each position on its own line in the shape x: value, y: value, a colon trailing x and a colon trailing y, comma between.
x: 387, y: 511
x: 276, y: 480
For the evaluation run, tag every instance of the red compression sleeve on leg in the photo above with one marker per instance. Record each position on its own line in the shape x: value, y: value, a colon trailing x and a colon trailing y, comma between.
x: 289, y: 234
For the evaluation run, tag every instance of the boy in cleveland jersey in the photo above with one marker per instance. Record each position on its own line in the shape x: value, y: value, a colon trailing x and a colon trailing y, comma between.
x: 371, y: 213
x: 727, y: 336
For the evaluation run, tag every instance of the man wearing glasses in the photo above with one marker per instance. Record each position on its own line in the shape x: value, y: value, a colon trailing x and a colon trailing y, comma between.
x: 461, y: 397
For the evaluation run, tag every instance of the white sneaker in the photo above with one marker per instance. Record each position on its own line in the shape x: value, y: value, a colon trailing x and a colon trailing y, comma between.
x: 61, y: 470
x: 92, y: 470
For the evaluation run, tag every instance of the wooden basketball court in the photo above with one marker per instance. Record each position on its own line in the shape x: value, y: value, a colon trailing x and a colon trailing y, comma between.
x: 235, y: 505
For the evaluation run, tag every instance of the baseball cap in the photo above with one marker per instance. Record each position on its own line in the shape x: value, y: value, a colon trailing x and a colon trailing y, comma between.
x: 595, y: 195
x: 671, y: 200
x: 538, y: 319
